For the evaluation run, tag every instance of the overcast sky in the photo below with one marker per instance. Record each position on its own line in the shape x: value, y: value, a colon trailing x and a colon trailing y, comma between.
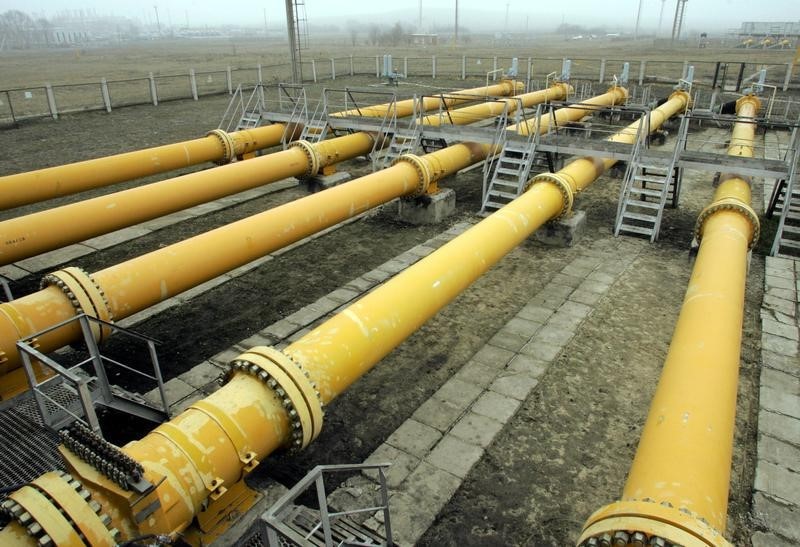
x: 487, y: 13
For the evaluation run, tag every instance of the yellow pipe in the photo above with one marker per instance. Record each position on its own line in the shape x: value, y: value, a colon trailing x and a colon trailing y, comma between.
x: 63, y: 180
x: 406, y: 107
x: 36, y: 233
x: 34, y: 186
x: 470, y: 114
x: 131, y: 286
x: 275, y: 398
x: 677, y: 488
x: 615, y: 95
x: 32, y: 234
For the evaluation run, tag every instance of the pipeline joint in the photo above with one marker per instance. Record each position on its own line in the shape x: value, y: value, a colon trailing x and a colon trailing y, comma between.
x: 228, y: 145
x: 85, y: 295
x: 567, y: 192
x: 647, y: 522
x: 291, y: 384
x: 729, y: 204
x: 424, y: 175
x: 311, y: 153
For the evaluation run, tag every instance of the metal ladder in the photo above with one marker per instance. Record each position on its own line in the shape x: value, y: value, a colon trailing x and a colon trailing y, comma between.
x: 508, y: 179
x: 404, y: 141
x: 290, y: 523
x: 316, y: 127
x: 786, y: 199
x: 647, y: 188
x: 241, y: 114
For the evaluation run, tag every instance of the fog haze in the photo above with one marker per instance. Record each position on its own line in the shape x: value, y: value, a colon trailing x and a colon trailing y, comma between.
x: 475, y: 15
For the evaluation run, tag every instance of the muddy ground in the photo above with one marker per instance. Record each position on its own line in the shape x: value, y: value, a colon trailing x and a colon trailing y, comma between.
x: 564, y: 454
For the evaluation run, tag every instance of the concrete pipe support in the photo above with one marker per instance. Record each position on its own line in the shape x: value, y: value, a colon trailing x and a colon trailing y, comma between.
x: 217, y: 146
x: 677, y: 489
x: 275, y: 398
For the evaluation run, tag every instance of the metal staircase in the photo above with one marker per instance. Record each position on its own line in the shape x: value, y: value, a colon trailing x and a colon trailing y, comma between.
x: 243, y: 114
x: 289, y: 523
x: 69, y: 392
x: 512, y: 168
x: 316, y: 127
x: 786, y: 200
x: 403, y: 141
x: 647, y: 188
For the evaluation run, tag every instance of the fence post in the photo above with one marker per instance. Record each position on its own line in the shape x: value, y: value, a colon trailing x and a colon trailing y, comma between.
x: 463, y: 67
x: 193, y: 82
x: 230, y: 80
x: 405, y: 66
x: 260, y: 74
x: 788, y: 77
x: 494, y: 68
x: 685, y: 70
x: 351, y: 65
x: 528, y: 83
x: 641, y: 72
x: 377, y: 66
x: 433, y: 66
x: 314, y: 70
x: 51, y: 101
x: 104, y: 93
x: 333, y: 68
x: 153, y: 89
x: 602, y: 70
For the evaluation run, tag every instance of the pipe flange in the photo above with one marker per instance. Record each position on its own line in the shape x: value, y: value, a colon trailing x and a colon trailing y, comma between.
x: 647, y: 522
x: 86, y: 296
x: 311, y: 153
x: 228, y: 145
x: 563, y: 186
x: 729, y: 204
x: 293, y: 387
x: 57, y: 506
x: 423, y: 173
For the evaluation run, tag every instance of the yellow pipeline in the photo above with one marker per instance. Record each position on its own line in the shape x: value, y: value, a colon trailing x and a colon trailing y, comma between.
x: 29, y: 235
x: 406, y: 107
x: 36, y: 233
x: 470, y: 114
x: 677, y: 488
x: 275, y: 398
x: 615, y: 95
x: 42, y: 184
x: 136, y: 284
x: 63, y: 180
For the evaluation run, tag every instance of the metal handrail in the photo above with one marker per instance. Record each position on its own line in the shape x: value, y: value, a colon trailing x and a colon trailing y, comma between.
x: 273, y: 516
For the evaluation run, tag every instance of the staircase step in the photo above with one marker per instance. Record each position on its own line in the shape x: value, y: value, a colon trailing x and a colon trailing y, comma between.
x: 501, y: 182
x: 640, y: 203
x: 636, y: 229
x: 639, y: 216
x: 790, y: 243
x: 493, y: 204
x: 646, y: 178
x: 646, y: 192
x: 791, y: 229
x: 504, y: 171
x: 507, y: 195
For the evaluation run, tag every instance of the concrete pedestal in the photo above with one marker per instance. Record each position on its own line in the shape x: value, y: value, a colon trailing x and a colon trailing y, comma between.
x: 322, y: 182
x: 428, y: 209
x: 563, y: 232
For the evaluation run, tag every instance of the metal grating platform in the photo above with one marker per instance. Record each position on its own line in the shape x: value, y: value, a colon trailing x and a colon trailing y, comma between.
x: 28, y: 449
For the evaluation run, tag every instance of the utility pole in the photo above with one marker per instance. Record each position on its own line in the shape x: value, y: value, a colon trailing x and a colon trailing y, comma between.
x: 456, y: 36
x: 158, y: 23
x: 680, y: 11
x: 638, y: 17
x: 419, y: 25
x: 266, y: 32
x: 661, y: 16
x: 291, y: 25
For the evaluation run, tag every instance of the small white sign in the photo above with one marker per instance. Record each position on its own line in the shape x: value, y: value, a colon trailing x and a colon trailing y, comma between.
x: 28, y: 95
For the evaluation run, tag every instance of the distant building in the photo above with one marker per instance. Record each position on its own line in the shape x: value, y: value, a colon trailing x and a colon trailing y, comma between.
x: 776, y: 29
x: 424, y: 39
